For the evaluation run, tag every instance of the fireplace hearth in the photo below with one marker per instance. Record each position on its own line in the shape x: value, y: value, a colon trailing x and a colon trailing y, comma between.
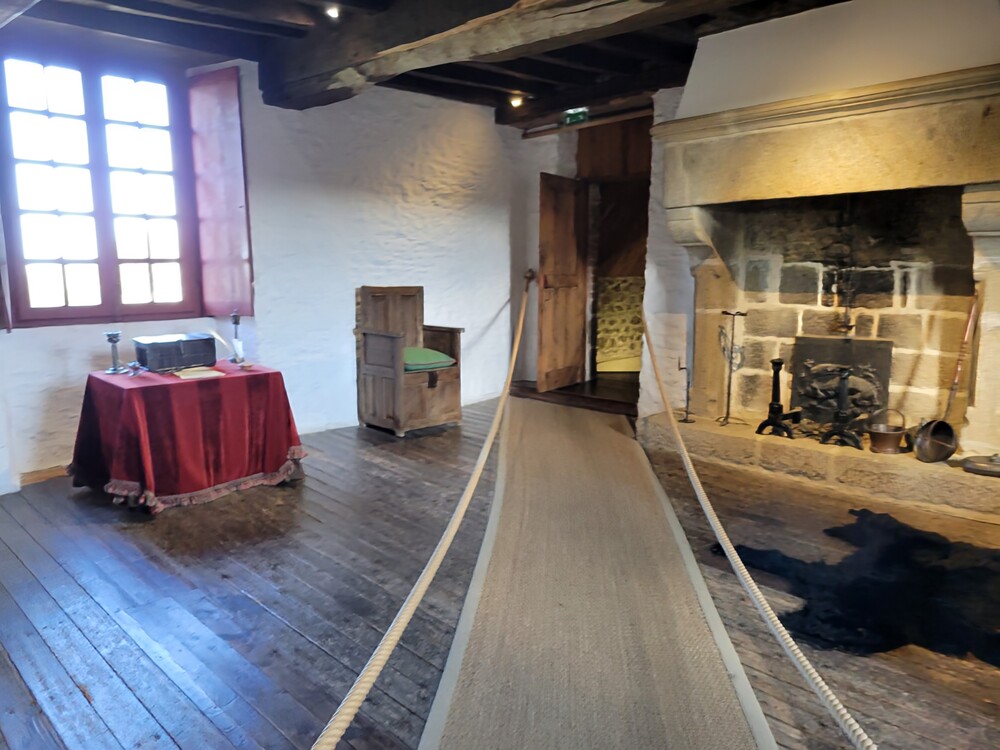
x: 868, y: 217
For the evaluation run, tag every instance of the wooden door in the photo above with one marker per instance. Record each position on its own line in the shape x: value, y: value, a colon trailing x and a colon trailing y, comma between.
x: 562, y: 283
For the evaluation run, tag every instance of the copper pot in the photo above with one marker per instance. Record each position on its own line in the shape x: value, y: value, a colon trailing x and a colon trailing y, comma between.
x: 885, y: 437
x: 936, y: 441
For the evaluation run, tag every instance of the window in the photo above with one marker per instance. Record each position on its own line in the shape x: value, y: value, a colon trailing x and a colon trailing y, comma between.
x: 98, y: 206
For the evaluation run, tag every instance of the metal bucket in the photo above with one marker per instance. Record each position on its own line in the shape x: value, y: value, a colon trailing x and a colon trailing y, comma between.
x: 885, y: 437
x: 936, y: 441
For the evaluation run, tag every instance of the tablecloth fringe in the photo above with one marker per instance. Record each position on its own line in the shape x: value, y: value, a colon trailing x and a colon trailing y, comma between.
x: 134, y: 494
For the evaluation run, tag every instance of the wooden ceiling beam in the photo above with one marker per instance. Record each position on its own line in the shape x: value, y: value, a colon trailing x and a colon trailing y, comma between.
x: 459, y: 92
x: 11, y: 9
x: 591, y: 57
x: 623, y: 88
x: 181, y: 12
x: 217, y: 41
x: 535, y: 70
x: 365, y: 6
x: 486, y: 79
x: 338, y: 60
x: 645, y: 48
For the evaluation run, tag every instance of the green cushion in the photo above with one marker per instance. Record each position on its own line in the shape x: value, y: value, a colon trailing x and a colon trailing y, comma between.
x: 417, y: 358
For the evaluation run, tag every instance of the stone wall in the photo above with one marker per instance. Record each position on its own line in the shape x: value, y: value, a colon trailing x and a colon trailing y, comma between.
x: 893, y: 265
x: 619, y: 319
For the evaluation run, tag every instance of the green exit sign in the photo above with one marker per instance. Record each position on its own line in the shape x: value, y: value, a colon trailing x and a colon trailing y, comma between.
x: 576, y: 116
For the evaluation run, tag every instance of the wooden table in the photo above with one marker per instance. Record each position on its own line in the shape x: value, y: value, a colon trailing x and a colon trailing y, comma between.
x: 160, y: 440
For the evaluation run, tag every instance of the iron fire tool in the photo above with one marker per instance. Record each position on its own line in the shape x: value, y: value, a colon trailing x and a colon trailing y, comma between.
x: 776, y: 414
x: 724, y: 419
x: 841, y: 430
x: 687, y: 393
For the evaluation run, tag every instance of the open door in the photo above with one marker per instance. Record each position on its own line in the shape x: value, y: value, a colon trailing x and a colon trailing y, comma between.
x: 562, y: 283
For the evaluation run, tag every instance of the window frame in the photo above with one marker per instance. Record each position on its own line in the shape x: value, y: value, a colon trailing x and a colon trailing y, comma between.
x: 111, y: 309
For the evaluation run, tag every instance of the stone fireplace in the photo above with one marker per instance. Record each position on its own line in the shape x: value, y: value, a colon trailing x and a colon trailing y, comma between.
x: 869, y: 216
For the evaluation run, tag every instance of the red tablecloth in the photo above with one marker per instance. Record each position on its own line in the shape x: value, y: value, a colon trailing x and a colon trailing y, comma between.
x: 159, y: 440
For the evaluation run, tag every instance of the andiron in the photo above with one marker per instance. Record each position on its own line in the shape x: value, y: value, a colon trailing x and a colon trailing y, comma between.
x: 777, y: 417
x: 841, y: 431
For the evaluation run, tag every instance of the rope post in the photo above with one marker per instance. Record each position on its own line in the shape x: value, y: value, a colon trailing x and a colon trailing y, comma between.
x: 853, y: 731
x: 349, y: 707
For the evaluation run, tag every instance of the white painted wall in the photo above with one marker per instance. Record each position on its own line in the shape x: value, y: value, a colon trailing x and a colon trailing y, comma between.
x: 669, y: 298
x: 42, y: 375
x: 389, y: 188
x: 860, y: 43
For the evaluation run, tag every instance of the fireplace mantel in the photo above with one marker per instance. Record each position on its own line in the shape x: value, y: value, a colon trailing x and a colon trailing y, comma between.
x: 937, y: 133
x: 923, y: 132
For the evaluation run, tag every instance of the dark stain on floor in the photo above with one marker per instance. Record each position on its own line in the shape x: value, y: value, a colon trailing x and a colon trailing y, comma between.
x: 901, y: 586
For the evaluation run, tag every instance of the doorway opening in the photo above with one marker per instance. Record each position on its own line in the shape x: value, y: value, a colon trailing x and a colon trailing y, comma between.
x: 592, y: 258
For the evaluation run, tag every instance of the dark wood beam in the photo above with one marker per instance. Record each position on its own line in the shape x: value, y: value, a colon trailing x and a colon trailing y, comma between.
x: 11, y: 9
x: 485, y: 79
x: 276, y: 12
x: 458, y: 92
x: 645, y: 48
x: 172, y: 12
x: 536, y: 70
x: 217, y: 41
x: 365, y: 6
x: 756, y: 11
x: 618, y: 88
x: 336, y: 62
x: 592, y: 58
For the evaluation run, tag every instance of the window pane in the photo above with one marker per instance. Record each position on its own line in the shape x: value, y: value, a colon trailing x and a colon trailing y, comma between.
x: 127, y: 195
x: 159, y: 195
x: 135, y: 284
x: 69, y: 140
x: 29, y: 134
x: 78, y: 238
x: 124, y: 148
x: 151, y: 103
x: 164, y: 241
x: 83, y: 284
x: 45, y: 285
x: 35, y: 187
x: 155, y: 150
x: 65, y: 90
x: 118, y: 98
x: 167, y: 282
x: 40, y: 237
x: 72, y: 189
x: 130, y: 238
x: 25, y: 84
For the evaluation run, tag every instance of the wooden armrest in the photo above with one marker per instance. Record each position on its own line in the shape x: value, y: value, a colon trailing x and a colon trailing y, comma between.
x: 444, y: 329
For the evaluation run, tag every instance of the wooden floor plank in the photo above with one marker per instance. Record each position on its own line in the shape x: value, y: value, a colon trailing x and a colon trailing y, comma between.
x: 123, y: 714
x: 248, y: 618
x: 167, y: 705
x: 22, y: 721
x: 58, y: 695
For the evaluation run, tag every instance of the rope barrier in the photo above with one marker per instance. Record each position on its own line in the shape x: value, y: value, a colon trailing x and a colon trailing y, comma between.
x: 857, y: 736
x: 349, y: 707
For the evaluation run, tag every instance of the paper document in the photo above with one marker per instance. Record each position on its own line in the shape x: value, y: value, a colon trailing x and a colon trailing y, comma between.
x: 196, y: 373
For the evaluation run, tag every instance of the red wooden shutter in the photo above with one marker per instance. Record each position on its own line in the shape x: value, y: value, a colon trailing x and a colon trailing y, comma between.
x: 227, y: 271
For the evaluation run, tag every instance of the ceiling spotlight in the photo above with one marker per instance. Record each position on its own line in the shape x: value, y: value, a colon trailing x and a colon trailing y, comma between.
x: 516, y: 101
x: 333, y: 11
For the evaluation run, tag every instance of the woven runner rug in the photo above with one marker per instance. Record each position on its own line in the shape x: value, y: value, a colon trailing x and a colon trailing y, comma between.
x: 588, y: 624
